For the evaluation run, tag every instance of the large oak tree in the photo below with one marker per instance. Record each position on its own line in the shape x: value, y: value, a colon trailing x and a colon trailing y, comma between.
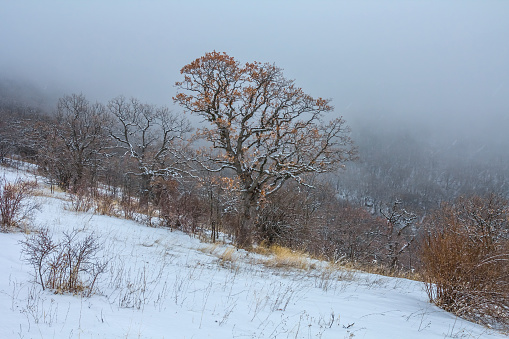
x: 261, y: 126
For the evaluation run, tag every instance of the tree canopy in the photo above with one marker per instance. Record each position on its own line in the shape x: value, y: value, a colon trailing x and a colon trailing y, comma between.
x: 261, y: 126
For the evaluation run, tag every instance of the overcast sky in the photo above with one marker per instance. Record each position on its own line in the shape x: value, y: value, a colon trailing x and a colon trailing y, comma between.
x: 446, y: 61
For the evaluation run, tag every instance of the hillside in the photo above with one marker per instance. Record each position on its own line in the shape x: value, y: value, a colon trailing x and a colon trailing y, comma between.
x: 162, y: 284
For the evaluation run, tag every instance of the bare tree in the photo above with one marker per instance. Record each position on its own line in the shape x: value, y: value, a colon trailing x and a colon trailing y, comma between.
x: 75, y: 141
x: 6, y: 143
x: 485, y: 219
x: 150, y: 136
x: 263, y: 128
x: 398, y: 232
x: 15, y: 122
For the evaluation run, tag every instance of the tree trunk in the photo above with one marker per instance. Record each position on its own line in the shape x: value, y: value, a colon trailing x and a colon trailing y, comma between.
x: 246, y: 221
x: 145, y: 190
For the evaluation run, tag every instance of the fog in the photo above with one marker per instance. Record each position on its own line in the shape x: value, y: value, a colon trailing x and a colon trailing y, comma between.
x: 439, y: 68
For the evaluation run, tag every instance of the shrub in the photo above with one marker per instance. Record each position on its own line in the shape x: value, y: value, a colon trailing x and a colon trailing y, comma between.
x: 14, y: 204
x: 465, y: 257
x: 316, y: 221
x: 128, y: 206
x: 70, y: 265
x: 81, y: 200
x: 178, y: 208
x: 106, y: 205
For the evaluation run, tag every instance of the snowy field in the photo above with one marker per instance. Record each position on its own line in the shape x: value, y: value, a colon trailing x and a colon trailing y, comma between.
x: 162, y: 284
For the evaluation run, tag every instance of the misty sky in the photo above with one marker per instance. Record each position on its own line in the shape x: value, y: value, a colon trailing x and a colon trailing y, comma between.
x: 412, y: 61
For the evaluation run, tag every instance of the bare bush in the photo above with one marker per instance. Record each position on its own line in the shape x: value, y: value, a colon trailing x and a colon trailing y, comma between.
x: 349, y: 234
x: 106, y: 205
x: 465, y: 259
x: 70, y: 265
x: 14, y: 204
x: 128, y: 205
x: 178, y: 208
x: 316, y: 221
x: 81, y: 200
x: 37, y: 247
x: 220, y: 201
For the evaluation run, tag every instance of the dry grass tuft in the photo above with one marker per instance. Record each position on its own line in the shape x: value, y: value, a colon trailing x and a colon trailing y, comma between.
x: 106, y: 205
x: 229, y: 255
x: 261, y: 249
x: 209, y: 249
x: 285, y: 257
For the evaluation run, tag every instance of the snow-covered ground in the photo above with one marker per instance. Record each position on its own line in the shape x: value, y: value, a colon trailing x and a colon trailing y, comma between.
x: 163, y: 284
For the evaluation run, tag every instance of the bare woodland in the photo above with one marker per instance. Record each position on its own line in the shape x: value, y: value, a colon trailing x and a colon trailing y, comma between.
x: 272, y: 165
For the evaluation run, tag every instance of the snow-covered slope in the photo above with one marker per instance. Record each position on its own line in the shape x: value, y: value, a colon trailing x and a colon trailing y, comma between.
x: 163, y: 284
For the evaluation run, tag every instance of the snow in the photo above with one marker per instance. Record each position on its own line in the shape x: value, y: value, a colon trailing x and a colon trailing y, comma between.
x: 163, y: 284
